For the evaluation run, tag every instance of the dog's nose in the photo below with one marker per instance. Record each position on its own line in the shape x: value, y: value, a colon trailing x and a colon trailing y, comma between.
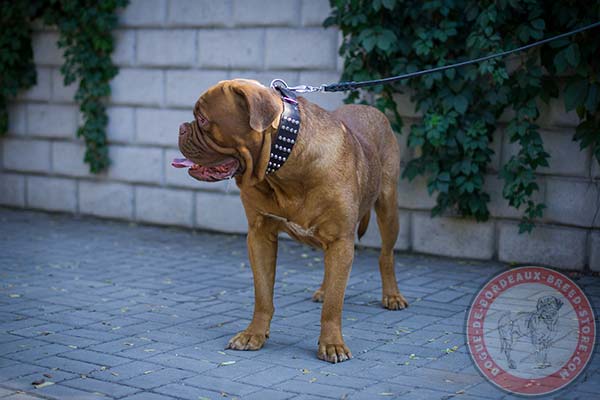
x: 182, y: 129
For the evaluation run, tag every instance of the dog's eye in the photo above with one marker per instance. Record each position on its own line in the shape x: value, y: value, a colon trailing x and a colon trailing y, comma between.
x: 201, y: 119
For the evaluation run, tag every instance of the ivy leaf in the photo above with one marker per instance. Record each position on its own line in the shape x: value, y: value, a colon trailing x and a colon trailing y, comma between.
x: 591, y: 102
x: 386, y: 40
x: 369, y: 42
x: 572, y: 54
x: 460, y: 103
x: 444, y: 177
x: 575, y: 93
x: 389, y: 4
x: 538, y: 24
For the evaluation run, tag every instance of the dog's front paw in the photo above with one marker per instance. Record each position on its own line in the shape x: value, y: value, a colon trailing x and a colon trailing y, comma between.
x: 334, y: 353
x: 247, y: 341
x: 318, y: 295
x: 394, y: 302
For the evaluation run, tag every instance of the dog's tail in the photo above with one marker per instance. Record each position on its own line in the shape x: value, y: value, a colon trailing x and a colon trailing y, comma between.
x: 363, y: 225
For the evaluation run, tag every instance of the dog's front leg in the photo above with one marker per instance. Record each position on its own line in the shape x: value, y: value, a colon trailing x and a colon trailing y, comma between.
x: 338, y: 262
x: 262, y: 251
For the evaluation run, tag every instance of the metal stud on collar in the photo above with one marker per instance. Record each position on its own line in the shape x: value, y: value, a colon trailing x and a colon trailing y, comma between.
x: 289, y: 126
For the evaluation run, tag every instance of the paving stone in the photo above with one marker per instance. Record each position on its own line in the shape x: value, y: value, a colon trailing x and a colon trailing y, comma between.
x: 271, y: 376
x: 382, y: 390
x: 315, y: 388
x: 221, y: 385
x: 96, y: 358
x: 152, y: 379
x: 148, y: 396
x: 65, y: 392
x: 13, y: 371
x: 145, y: 313
x: 68, y: 365
x: 97, y: 386
x: 267, y: 394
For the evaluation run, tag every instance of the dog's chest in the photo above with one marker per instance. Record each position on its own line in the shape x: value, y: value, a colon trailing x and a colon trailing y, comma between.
x: 305, y: 215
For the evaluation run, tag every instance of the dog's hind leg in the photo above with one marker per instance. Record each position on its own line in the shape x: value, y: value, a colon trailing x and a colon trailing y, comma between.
x: 386, y: 208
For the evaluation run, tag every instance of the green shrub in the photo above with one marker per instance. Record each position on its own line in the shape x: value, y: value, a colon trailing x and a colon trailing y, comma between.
x: 85, y: 33
x: 461, y: 107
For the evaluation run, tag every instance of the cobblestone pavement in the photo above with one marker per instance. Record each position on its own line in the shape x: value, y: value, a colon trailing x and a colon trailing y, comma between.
x: 95, y: 309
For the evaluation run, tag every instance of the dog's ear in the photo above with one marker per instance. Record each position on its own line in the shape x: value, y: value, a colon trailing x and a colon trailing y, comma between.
x: 263, y: 107
x: 559, y: 303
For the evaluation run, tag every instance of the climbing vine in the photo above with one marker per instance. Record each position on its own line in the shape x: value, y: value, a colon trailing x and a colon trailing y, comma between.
x: 461, y: 108
x: 85, y: 33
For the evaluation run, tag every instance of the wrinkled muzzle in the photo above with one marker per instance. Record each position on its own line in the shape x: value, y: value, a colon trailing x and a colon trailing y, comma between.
x: 203, y: 162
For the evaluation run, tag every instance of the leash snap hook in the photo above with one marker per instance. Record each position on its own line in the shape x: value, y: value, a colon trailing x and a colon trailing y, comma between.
x: 307, y: 88
x: 278, y: 83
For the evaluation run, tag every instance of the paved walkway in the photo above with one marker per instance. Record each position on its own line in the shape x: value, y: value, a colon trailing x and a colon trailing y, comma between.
x: 93, y: 309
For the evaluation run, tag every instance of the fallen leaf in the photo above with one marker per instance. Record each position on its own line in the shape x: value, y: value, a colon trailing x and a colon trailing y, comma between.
x: 451, y: 350
x: 43, y: 385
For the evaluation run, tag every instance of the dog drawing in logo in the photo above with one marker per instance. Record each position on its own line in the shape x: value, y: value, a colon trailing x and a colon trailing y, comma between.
x: 539, y: 325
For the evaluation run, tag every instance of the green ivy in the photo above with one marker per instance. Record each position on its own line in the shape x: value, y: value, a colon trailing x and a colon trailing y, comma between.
x: 460, y: 107
x: 85, y: 33
x: 17, y: 70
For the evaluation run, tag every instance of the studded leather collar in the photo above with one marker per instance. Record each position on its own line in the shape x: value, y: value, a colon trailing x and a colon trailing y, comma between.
x: 287, y: 132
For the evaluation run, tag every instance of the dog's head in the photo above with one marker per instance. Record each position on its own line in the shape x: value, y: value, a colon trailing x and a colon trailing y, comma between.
x: 548, y: 306
x: 231, y: 132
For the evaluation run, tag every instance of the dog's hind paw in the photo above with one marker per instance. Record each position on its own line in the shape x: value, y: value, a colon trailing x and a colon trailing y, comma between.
x: 394, y: 302
x: 318, y: 295
x: 246, y: 341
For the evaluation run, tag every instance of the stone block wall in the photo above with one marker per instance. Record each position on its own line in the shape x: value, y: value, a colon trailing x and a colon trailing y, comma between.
x: 170, y: 51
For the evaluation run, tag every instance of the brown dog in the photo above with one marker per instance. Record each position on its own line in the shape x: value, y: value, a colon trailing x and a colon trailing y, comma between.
x: 342, y: 164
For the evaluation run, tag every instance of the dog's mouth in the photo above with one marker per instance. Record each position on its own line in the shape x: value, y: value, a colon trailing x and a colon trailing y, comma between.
x: 224, y: 170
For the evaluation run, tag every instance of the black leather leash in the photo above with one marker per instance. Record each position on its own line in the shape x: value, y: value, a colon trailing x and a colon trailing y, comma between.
x: 344, y: 86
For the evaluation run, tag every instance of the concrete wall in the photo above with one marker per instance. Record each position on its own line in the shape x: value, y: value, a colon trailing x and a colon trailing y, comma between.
x: 170, y: 51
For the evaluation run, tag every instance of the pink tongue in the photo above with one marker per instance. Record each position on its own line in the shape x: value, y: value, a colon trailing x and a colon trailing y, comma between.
x: 182, y: 163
